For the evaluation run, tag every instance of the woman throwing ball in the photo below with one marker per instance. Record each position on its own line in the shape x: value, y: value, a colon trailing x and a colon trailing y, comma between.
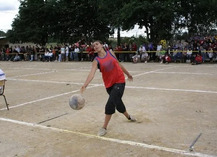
x: 114, y: 81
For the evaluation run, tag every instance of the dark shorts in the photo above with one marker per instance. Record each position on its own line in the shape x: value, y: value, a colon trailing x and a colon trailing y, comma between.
x: 114, y: 101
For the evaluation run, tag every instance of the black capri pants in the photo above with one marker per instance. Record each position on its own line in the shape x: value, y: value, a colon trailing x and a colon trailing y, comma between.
x: 115, y: 99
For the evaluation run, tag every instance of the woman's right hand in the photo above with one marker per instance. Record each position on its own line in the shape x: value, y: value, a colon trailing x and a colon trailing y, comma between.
x: 82, y: 89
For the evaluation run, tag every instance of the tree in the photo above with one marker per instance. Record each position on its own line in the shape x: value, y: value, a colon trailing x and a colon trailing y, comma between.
x: 163, y: 19
x: 155, y: 16
x: 70, y: 21
x: 79, y: 19
x: 2, y: 33
x: 110, y: 10
x: 62, y: 20
x: 197, y: 16
x: 33, y: 23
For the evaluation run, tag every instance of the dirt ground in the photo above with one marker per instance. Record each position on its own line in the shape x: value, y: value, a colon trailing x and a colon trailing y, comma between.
x: 173, y: 104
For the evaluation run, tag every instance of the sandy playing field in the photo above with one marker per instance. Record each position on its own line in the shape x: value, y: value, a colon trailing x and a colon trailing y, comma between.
x: 173, y: 103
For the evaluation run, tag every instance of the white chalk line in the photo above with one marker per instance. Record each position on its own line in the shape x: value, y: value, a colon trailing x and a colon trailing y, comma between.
x: 45, y: 81
x: 131, y: 87
x: 13, y: 78
x: 48, y: 71
x: 184, y: 73
x: 41, y: 73
x: 52, y: 69
x: 116, y: 140
x: 79, y: 69
x: 148, y: 72
x: 171, y: 89
x: 126, y: 142
x: 97, y: 85
x: 46, y: 98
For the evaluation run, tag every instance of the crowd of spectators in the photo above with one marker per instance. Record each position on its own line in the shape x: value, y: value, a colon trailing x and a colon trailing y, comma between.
x: 59, y: 53
x: 195, y: 50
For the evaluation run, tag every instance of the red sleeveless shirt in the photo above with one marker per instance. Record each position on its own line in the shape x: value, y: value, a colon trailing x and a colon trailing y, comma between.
x: 110, y: 69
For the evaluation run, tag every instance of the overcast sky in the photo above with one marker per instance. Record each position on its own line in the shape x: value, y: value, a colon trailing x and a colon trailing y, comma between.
x: 134, y: 32
x: 9, y: 10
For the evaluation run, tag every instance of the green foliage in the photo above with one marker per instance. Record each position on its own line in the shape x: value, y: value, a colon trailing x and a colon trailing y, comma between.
x: 69, y: 21
x: 78, y: 19
x: 156, y: 16
x: 63, y: 21
x: 197, y: 16
x: 34, y: 22
x: 2, y: 33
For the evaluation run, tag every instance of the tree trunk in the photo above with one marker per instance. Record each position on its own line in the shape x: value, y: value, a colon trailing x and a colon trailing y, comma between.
x: 119, y: 36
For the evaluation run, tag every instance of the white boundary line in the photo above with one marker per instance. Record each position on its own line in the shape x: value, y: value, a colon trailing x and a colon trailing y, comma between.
x: 126, y: 142
x: 177, y: 151
x: 41, y: 73
x: 170, y: 89
x: 184, y: 73
x: 46, y: 69
x: 153, y: 71
x: 96, y: 85
x: 44, y: 81
x: 46, y: 98
x: 131, y: 87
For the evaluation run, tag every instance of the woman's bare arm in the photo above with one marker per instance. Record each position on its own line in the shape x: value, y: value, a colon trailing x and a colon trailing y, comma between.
x: 90, y: 76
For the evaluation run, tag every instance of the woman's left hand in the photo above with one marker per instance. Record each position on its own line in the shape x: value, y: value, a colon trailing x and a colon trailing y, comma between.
x: 130, y: 78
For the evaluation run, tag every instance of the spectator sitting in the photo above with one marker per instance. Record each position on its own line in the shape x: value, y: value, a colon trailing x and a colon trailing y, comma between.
x: 189, y: 53
x: 48, y: 55
x: 16, y: 58
x: 144, y: 55
x: 167, y: 59
x: 210, y: 54
x: 177, y: 55
x: 198, y: 60
x: 136, y: 58
x: 162, y: 56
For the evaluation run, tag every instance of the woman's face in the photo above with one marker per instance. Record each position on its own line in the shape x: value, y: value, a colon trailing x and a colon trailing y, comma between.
x: 97, y: 46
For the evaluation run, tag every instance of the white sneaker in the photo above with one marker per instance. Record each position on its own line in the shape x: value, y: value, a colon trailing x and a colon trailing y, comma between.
x: 102, y: 132
x: 132, y: 119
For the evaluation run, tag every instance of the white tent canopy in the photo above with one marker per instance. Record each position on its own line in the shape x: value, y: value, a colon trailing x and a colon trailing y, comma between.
x: 2, y: 75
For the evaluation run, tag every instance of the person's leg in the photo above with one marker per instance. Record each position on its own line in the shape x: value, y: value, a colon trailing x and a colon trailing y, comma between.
x: 106, y: 121
x: 109, y: 110
x: 117, y: 94
x: 126, y: 114
x: 129, y: 117
x: 110, y: 107
x: 103, y: 130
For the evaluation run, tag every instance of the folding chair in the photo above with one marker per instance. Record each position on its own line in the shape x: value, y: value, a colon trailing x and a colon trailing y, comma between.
x: 2, y: 88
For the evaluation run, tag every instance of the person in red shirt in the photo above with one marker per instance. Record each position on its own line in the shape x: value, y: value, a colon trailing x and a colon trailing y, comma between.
x: 90, y: 51
x: 114, y: 81
x: 8, y: 51
x: 134, y: 47
x: 198, y: 60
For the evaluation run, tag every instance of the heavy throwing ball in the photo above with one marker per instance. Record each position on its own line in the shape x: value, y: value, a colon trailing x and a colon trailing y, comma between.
x: 76, y: 101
